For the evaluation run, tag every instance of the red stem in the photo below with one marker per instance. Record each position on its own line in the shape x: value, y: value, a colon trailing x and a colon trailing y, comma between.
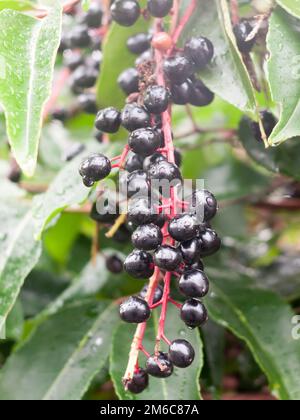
x: 58, y: 86
x: 185, y: 19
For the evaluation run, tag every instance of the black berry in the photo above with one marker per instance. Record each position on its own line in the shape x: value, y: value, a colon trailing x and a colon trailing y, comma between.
x: 84, y: 77
x: 200, y: 51
x: 134, y: 117
x: 93, y: 17
x: 144, y: 141
x: 205, y: 205
x: 138, y: 184
x: 183, y: 227
x: 194, y: 283
x: 200, y: 95
x: 210, y: 243
x: 242, y: 31
x: 152, y: 159
x: 190, y: 251
x: 140, y: 212
x: 181, y: 353
x: 158, y: 294
x: 269, y: 122
x: 79, y: 37
x: 159, y: 8
x: 156, y: 99
x: 129, y: 81
x: 135, y: 310
x: 114, y: 264
x: 139, y: 264
x: 193, y: 313
x: 164, y: 170
x: 147, y: 237
x: 144, y: 58
x: 87, y: 102
x: 108, y: 120
x: 139, y: 382
x: 105, y: 211
x: 73, y: 59
x: 178, y: 69
x: 159, y: 366
x: 94, y: 168
x: 139, y: 43
x: 134, y: 163
x: 168, y: 258
x: 181, y: 93
x: 125, y: 12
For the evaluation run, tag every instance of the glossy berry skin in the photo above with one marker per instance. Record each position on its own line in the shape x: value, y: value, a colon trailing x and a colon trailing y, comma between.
x: 84, y: 77
x: 139, y: 264
x: 87, y: 102
x: 156, y: 99
x: 190, y: 251
x: 241, y: 31
x: 158, y: 294
x: 183, y: 227
x: 178, y: 69
x: 181, y: 353
x: 164, y: 170
x: 194, y: 283
x: 79, y: 37
x: 151, y: 160
x: 134, y: 163
x: 140, y: 212
x: 139, y: 382
x: 108, y: 120
x: 210, y: 243
x: 139, y: 43
x: 200, y: 51
x: 159, y: 8
x: 154, y: 364
x: 269, y: 122
x: 114, y: 264
x: 135, y: 310
x: 167, y: 258
x: 193, y: 313
x: 144, y: 141
x: 93, y: 17
x: 94, y: 168
x: 197, y: 266
x: 129, y: 81
x: 144, y: 58
x: 138, y: 184
x: 205, y: 205
x: 134, y: 117
x: 200, y: 95
x: 125, y: 12
x: 181, y: 93
x: 147, y: 237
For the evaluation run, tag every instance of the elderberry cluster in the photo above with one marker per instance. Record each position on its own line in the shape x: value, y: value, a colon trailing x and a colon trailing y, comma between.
x: 172, y: 239
x: 81, y: 50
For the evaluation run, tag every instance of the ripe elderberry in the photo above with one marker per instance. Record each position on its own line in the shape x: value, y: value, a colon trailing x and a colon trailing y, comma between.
x: 140, y: 212
x: 138, y: 184
x: 199, y: 94
x: 269, y: 122
x: 139, y: 43
x: 242, y: 31
x: 139, y: 382
x: 157, y: 294
x: 159, y: 8
x: 87, y: 102
x: 135, y: 310
x: 133, y: 163
x: 190, y: 251
x: 209, y: 242
x: 134, y: 117
x: 167, y: 258
x: 193, y: 313
x: 194, y: 283
x: 156, y: 99
x: 181, y: 353
x: 125, y: 12
x: 178, y: 69
x: 204, y: 204
x: 147, y: 237
x: 108, y: 120
x: 144, y: 141
x: 183, y: 227
x: 94, y: 168
x: 164, y: 170
x: 79, y: 37
x: 114, y: 264
x: 93, y: 17
x: 129, y: 81
x: 159, y: 365
x: 139, y: 264
x: 199, y: 51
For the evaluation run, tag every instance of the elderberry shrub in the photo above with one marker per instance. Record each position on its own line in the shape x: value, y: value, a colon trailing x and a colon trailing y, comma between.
x: 165, y: 244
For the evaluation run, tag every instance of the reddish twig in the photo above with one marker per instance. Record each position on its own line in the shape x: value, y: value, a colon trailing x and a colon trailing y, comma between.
x: 184, y: 21
x: 58, y: 86
x: 67, y: 7
x: 234, y: 9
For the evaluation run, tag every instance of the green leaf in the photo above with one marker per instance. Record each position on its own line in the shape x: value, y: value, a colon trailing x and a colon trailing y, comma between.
x: 15, y: 322
x: 116, y: 58
x: 182, y: 385
x: 17, y: 5
x: 291, y: 6
x: 227, y: 76
x: 264, y: 321
x: 63, y: 356
x: 86, y: 5
x: 284, y: 159
x: 283, y: 43
x: 19, y: 253
x: 27, y: 61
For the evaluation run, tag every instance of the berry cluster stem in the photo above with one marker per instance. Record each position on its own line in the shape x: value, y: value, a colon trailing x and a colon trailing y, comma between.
x: 183, y: 22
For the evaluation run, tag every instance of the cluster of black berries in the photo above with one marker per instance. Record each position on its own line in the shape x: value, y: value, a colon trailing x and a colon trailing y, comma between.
x: 174, y: 244
x: 81, y: 49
